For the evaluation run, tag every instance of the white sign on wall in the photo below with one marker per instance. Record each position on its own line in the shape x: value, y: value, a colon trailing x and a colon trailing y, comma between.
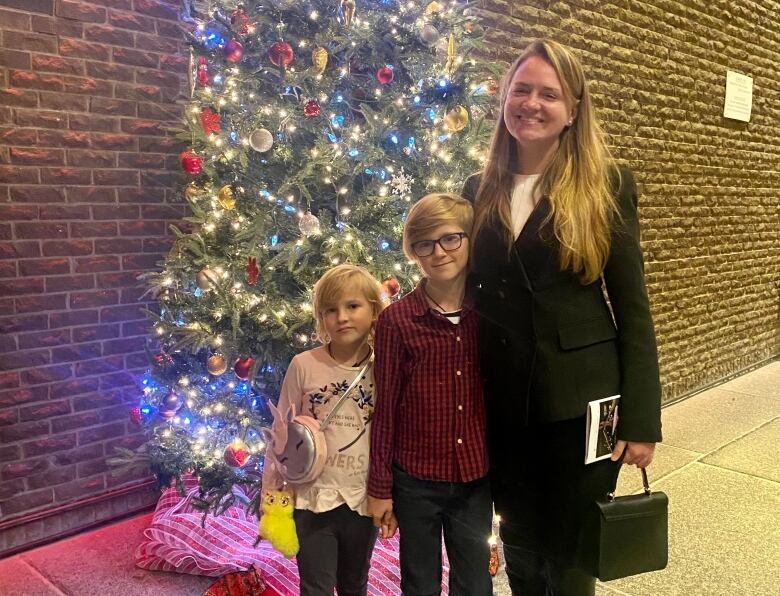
x: 739, y: 96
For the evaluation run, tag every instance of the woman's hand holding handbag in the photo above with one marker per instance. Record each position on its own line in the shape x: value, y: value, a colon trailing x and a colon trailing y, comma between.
x: 623, y: 536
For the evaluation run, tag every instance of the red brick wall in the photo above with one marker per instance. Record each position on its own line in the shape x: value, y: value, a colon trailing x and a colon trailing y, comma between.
x: 90, y: 93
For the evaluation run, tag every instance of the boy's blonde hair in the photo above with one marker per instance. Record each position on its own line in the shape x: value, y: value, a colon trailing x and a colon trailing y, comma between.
x: 432, y: 211
x: 332, y: 285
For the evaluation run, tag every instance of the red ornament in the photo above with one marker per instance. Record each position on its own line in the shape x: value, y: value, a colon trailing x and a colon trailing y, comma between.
x: 236, y: 454
x: 281, y: 53
x: 170, y: 405
x: 163, y: 359
x: 242, y: 366
x: 203, y: 73
x: 252, y: 271
x: 135, y: 415
x: 191, y: 163
x: 311, y: 108
x: 209, y: 120
x: 240, y: 20
x: 391, y: 286
x: 385, y: 75
x: 234, y: 51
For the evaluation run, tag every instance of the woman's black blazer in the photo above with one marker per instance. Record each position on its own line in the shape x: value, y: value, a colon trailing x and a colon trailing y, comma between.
x: 550, y: 344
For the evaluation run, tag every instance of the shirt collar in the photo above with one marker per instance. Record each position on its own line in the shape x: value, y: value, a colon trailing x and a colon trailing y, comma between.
x: 419, y: 303
x: 420, y: 306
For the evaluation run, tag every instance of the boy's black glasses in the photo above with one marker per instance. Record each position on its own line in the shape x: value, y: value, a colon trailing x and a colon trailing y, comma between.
x: 448, y: 243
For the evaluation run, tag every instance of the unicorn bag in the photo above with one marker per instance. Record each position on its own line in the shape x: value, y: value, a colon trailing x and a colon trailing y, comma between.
x: 298, y: 446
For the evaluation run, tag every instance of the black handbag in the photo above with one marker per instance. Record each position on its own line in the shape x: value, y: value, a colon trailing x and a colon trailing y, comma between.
x: 625, y: 536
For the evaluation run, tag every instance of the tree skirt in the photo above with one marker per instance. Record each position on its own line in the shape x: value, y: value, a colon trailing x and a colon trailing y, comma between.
x: 177, y: 541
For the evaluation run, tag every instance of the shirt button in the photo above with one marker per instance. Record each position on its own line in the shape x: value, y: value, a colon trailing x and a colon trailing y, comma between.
x: 460, y: 441
x: 457, y: 372
x: 460, y: 407
x: 457, y: 338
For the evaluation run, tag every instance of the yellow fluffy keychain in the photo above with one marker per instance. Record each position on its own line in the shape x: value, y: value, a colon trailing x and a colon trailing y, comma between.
x: 277, y: 525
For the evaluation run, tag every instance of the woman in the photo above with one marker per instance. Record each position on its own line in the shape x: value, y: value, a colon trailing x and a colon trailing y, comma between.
x: 555, y: 224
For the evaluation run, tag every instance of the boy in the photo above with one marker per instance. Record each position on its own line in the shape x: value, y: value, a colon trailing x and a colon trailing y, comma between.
x: 429, y: 461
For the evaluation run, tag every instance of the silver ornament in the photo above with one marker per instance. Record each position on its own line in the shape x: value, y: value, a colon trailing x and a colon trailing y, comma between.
x: 207, y: 279
x: 309, y: 224
x: 261, y: 140
x: 429, y: 34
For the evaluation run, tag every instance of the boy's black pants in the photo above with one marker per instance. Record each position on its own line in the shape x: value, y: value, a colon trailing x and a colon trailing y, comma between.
x: 336, y: 549
x: 464, y: 512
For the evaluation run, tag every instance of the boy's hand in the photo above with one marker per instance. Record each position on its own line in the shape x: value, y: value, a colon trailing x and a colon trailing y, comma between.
x: 381, y: 510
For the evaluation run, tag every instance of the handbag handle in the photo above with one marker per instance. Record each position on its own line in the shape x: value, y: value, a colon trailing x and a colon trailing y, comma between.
x: 344, y: 395
x: 645, y: 485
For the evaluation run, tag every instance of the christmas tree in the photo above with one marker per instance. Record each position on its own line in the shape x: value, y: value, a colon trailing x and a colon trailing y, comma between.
x: 312, y: 127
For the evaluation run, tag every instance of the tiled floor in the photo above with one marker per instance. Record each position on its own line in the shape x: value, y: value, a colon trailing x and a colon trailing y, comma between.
x: 718, y: 464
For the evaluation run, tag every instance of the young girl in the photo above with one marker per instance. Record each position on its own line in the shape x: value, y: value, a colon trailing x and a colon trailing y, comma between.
x: 336, y: 535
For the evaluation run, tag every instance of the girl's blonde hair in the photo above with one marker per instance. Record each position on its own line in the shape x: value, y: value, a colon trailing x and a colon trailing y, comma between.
x: 432, y: 211
x: 332, y: 286
x: 575, y: 181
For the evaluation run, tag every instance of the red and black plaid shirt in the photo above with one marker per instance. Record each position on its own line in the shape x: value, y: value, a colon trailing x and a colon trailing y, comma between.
x: 430, y: 412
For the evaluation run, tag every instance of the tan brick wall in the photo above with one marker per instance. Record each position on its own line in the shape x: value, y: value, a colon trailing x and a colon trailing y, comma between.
x: 710, y: 187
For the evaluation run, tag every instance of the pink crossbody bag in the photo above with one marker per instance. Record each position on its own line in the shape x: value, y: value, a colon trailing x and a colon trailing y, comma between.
x: 300, y: 455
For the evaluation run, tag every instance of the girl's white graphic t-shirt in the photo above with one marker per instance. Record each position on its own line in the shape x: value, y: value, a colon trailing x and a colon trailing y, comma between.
x: 313, y: 384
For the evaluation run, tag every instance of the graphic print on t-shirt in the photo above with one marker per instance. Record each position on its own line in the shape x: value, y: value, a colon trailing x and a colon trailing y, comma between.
x: 325, y: 398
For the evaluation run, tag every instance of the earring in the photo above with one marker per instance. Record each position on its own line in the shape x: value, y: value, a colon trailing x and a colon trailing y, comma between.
x: 570, y: 122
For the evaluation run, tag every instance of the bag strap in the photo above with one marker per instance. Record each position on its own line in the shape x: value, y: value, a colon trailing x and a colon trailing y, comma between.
x: 645, y: 485
x: 344, y: 395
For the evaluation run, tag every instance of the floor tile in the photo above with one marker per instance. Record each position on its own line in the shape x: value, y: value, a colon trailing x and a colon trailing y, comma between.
x: 17, y: 578
x: 754, y: 454
x: 713, y: 418
x: 108, y: 565
x: 763, y: 381
x: 605, y: 590
x: 724, y: 536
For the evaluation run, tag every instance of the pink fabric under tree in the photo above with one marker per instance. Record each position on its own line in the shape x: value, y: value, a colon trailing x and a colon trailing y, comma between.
x: 176, y: 541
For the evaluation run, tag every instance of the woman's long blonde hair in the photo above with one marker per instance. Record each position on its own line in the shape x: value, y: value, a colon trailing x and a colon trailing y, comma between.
x: 575, y: 181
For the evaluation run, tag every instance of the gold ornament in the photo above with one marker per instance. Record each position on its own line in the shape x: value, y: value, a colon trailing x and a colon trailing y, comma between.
x: 433, y: 8
x: 216, y: 364
x: 456, y: 119
x: 207, y: 279
x: 348, y: 7
x: 319, y: 57
x: 226, y: 198
x: 451, y: 57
